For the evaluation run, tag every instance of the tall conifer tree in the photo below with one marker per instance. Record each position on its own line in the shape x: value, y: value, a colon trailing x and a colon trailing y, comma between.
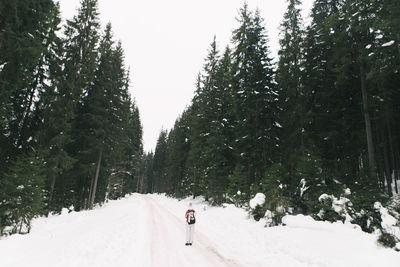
x: 104, y: 114
x: 291, y: 95
x: 254, y: 97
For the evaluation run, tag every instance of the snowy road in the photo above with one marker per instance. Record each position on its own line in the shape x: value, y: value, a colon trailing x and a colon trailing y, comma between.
x: 167, y: 242
x: 139, y: 233
x: 149, y: 231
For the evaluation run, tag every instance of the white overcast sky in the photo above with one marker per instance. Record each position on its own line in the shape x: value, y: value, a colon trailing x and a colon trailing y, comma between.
x: 165, y: 43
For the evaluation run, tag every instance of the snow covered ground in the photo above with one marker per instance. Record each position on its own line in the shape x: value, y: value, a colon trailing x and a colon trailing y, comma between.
x: 149, y: 230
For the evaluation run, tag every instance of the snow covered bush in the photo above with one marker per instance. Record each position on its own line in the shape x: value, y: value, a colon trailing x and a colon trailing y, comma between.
x: 387, y: 240
x: 333, y: 209
x: 371, y: 217
x: 258, y: 212
x: 275, y: 187
x: 346, y: 207
x: 308, y: 181
x: 259, y: 209
x: 364, y: 213
x: 389, y: 228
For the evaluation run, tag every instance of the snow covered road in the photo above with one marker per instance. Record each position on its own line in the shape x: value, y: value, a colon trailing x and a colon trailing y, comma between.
x: 167, y: 242
x: 149, y: 231
x: 138, y: 233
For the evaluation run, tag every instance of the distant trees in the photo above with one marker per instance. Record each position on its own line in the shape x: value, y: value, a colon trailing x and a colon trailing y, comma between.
x: 70, y: 133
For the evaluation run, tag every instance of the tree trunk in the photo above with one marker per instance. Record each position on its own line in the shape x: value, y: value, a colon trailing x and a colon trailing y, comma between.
x: 388, y: 174
x: 396, y: 173
x: 138, y: 184
x: 370, y: 143
x: 53, y: 182
x: 392, y: 156
x: 96, y: 179
x: 90, y: 192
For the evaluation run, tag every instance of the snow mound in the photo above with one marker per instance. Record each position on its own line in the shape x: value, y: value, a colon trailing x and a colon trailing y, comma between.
x: 258, y: 199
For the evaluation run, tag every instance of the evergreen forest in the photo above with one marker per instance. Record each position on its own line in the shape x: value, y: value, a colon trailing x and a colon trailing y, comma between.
x: 314, y: 129
x: 71, y: 135
x: 317, y: 126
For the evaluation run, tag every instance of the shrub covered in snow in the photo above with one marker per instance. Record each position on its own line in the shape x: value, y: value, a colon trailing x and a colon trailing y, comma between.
x: 347, y: 208
x: 260, y: 208
x: 387, y: 240
x: 334, y: 209
x: 371, y: 217
x: 257, y: 208
x: 310, y: 191
x: 277, y: 204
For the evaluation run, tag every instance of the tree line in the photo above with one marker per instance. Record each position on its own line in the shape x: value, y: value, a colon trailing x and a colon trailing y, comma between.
x: 71, y: 134
x: 322, y: 119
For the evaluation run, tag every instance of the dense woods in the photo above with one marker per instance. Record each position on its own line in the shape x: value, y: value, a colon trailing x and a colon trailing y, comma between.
x: 317, y: 124
x: 70, y: 133
x: 323, y: 119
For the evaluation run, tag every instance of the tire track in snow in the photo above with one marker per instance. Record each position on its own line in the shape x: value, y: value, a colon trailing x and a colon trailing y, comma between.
x: 168, y: 233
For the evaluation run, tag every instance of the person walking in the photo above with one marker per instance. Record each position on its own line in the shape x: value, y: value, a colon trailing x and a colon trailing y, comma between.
x: 190, y: 221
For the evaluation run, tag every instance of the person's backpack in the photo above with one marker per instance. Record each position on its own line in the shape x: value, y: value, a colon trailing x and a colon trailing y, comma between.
x: 192, y: 219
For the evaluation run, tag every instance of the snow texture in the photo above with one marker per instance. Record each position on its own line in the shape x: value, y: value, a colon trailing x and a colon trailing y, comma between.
x: 149, y: 230
x: 303, y: 187
x: 258, y: 199
x: 389, y: 223
x: 2, y: 66
x: 388, y: 43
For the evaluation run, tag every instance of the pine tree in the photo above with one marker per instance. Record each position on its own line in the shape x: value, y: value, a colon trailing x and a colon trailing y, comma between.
x: 221, y: 139
x: 195, y: 167
x: 71, y: 79
x: 148, y: 163
x: 383, y: 59
x: 160, y: 182
x: 208, y: 100
x: 291, y: 95
x: 65, y: 113
x: 104, y: 114
x: 361, y: 37
x: 31, y: 51
x: 50, y: 111
x: 254, y: 98
x: 26, y: 38
x: 127, y: 172
x: 132, y: 153
x: 178, y: 146
x: 330, y: 105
